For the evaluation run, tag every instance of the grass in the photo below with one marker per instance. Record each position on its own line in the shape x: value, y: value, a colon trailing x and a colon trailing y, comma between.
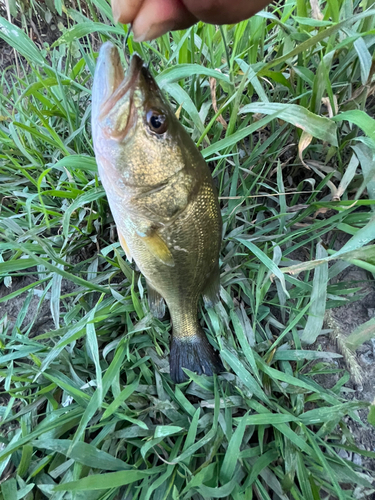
x: 280, y: 106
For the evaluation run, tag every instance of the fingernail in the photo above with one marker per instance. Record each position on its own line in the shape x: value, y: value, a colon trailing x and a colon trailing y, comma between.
x: 115, y: 12
x: 154, y: 31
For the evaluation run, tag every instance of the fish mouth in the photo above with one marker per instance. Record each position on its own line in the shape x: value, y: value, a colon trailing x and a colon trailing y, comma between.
x: 126, y: 85
x: 113, y: 109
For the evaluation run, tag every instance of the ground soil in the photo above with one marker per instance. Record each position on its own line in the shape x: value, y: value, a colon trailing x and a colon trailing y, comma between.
x: 41, y: 317
x: 344, y: 320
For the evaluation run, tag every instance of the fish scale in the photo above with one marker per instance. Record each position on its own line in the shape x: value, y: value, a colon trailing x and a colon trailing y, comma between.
x: 163, y: 201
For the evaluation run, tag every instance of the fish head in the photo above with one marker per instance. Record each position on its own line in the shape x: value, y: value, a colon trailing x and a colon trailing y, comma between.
x: 137, y: 138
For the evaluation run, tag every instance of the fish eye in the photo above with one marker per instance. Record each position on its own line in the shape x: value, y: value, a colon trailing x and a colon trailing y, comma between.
x: 157, y: 121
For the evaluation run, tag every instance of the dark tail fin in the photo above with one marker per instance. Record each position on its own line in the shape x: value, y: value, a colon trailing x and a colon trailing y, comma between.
x: 194, y: 353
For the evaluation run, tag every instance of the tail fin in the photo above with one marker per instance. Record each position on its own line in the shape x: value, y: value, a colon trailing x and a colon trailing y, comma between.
x: 194, y: 353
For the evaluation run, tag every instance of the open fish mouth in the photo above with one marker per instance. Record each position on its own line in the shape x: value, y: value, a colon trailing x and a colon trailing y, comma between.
x: 112, y: 100
x: 126, y: 85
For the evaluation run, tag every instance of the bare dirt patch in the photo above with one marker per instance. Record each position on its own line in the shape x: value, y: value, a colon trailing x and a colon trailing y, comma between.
x: 347, y: 319
x: 38, y: 313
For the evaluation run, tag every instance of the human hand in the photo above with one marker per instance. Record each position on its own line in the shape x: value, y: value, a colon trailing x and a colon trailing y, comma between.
x: 153, y: 18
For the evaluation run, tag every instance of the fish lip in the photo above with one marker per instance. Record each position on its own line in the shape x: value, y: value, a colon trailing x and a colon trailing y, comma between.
x: 136, y: 64
x: 127, y: 85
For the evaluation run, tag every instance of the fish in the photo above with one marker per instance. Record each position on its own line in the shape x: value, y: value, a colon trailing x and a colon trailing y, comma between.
x: 163, y: 201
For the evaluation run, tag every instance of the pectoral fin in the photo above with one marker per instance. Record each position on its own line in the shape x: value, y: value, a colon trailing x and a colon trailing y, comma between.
x: 157, y: 246
x: 124, y: 246
x: 155, y: 301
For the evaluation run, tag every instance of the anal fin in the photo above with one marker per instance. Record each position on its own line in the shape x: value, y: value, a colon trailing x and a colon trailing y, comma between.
x: 211, y: 292
x: 155, y: 302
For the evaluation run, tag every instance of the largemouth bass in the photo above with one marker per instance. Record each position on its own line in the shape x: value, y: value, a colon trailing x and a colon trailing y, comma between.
x: 163, y: 201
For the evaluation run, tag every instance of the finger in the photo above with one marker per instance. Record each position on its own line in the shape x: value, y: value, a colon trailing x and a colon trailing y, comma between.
x: 157, y: 17
x: 224, y: 11
x: 124, y: 11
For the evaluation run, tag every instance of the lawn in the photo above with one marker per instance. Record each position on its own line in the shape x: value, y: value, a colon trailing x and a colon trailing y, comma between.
x: 281, y: 108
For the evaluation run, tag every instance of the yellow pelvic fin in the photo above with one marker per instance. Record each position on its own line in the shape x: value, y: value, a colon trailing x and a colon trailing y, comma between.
x: 125, y: 246
x: 157, y: 246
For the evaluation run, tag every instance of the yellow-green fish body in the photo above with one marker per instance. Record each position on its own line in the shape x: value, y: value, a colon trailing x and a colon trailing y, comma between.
x: 163, y: 200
